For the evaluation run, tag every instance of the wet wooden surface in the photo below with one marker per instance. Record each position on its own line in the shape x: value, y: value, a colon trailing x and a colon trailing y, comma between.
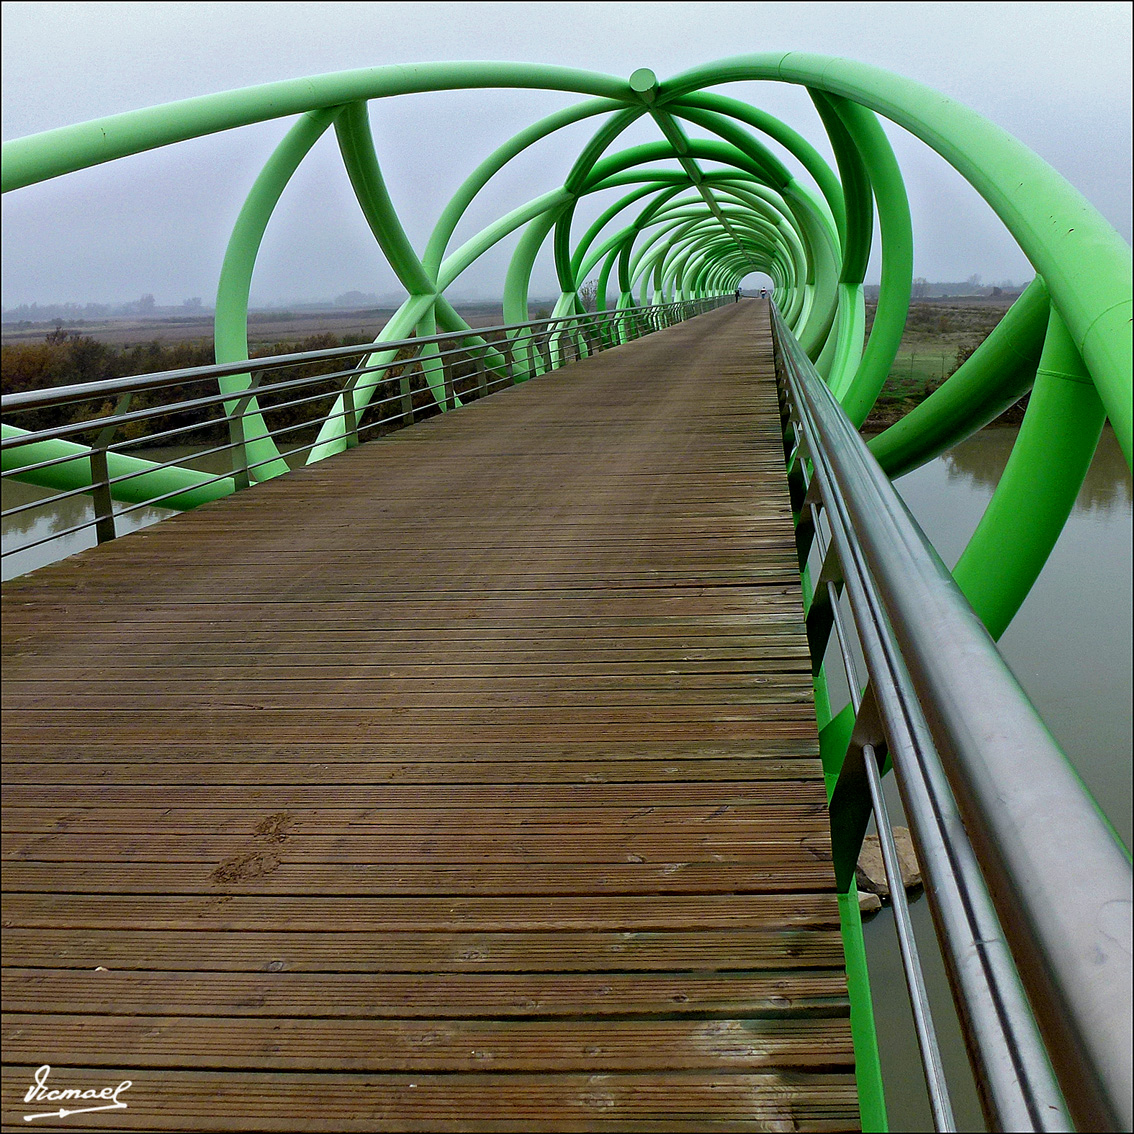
x: 466, y: 781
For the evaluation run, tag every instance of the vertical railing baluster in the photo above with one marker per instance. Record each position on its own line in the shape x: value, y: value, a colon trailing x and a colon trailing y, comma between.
x: 450, y: 390
x: 509, y: 347
x: 350, y: 416
x: 101, y: 498
x: 238, y: 434
x: 406, y: 391
x: 100, y: 494
x: 481, y: 374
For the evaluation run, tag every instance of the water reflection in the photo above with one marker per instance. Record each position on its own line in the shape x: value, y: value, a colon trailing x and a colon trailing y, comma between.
x: 31, y: 539
x: 979, y: 463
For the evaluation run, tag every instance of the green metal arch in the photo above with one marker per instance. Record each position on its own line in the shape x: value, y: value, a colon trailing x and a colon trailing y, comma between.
x: 753, y: 214
x: 692, y: 216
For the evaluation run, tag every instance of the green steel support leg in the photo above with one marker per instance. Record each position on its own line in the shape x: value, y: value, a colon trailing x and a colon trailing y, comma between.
x: 1035, y: 495
x: 261, y: 458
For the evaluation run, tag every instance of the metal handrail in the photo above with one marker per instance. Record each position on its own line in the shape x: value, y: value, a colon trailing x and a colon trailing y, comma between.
x: 996, y: 811
x: 138, y: 383
x: 521, y: 349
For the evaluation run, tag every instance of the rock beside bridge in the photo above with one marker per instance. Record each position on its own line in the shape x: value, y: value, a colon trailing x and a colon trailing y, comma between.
x: 871, y: 872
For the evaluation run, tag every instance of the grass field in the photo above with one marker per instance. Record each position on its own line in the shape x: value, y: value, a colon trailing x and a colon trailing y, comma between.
x: 938, y: 335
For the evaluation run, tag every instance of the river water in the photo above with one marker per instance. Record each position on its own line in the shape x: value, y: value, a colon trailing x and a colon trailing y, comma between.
x: 1069, y: 646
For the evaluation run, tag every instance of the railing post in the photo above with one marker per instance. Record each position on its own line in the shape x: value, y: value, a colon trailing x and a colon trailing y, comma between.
x: 239, y: 445
x: 481, y: 375
x: 101, y: 498
x: 237, y: 435
x: 509, y: 347
x: 450, y: 391
x: 350, y: 417
x: 406, y: 391
x: 100, y: 494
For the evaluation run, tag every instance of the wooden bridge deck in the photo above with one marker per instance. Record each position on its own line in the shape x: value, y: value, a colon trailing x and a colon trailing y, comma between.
x: 466, y: 781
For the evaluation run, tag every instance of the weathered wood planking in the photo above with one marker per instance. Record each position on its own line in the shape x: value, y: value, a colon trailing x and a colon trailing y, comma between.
x: 467, y: 781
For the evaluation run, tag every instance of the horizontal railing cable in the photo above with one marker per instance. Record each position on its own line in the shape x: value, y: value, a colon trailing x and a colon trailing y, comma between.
x: 427, y: 375
x: 50, y: 396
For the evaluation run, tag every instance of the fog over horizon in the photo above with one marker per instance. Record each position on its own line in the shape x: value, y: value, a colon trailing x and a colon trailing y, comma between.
x: 1056, y: 76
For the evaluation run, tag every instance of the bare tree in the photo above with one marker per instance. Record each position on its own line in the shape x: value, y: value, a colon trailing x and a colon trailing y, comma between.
x: 588, y: 295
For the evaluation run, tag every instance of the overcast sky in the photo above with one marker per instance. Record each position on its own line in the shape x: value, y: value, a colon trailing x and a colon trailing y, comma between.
x: 1058, y: 76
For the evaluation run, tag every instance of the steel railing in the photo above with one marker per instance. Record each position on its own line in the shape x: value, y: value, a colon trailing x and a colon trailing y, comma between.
x: 105, y: 450
x: 1028, y: 884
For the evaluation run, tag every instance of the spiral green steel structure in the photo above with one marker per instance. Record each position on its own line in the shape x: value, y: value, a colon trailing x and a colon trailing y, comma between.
x: 699, y: 214
x: 694, y: 214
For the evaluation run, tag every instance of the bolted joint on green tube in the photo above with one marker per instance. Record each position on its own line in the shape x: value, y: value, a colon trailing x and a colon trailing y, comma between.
x: 644, y: 83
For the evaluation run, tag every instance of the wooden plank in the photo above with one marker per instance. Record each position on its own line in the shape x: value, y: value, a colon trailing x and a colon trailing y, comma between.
x: 428, y: 797
x: 267, y: 869
x: 376, y: 1043
x: 413, y: 848
x: 468, y: 781
x: 431, y: 995
x: 395, y: 769
x: 374, y: 821
x: 631, y: 913
x: 700, y: 949
x: 480, y: 1102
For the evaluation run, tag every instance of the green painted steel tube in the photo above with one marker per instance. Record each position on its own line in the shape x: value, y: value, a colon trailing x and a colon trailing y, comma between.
x: 1037, y: 490
x: 823, y: 251
x: 147, y: 480
x: 703, y: 148
x: 467, y: 254
x: 582, y: 259
x: 427, y: 359
x: 851, y: 333
x: 859, y: 233
x: 1085, y: 263
x: 27, y: 161
x: 230, y: 326
x: 518, y: 279
x: 352, y: 125
x: 574, y: 185
x: 776, y: 176
x: 864, y: 1031
x: 857, y: 192
x: 861, y: 392
x: 794, y: 143
x: 458, y: 204
x: 332, y: 435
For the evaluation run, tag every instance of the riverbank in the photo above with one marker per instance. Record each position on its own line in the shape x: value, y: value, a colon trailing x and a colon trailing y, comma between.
x: 939, y: 335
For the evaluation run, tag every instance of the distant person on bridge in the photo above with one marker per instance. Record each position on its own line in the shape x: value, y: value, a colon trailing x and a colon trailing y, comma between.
x: 763, y: 293
x: 738, y: 295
